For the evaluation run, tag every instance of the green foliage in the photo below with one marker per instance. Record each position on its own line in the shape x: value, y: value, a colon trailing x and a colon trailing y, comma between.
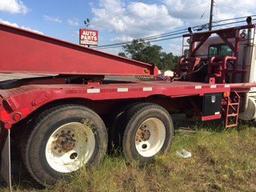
x: 145, y: 52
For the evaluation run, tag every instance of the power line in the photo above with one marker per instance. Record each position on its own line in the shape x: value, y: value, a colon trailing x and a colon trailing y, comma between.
x: 175, y: 34
x: 162, y: 39
x: 156, y: 40
x: 235, y: 18
x: 165, y: 35
x: 231, y: 23
x: 149, y: 38
x: 152, y: 38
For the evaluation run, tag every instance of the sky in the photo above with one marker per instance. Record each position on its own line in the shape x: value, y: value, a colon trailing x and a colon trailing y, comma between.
x: 117, y: 20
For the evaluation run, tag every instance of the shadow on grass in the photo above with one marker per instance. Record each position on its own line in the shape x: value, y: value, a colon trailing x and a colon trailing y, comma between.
x: 182, y: 123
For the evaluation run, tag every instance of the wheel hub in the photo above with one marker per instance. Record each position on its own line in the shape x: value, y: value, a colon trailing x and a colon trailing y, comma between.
x: 150, y: 137
x: 70, y: 147
x: 143, y: 134
x: 65, y: 142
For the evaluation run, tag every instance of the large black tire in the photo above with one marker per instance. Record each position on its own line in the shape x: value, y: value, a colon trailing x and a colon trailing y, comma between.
x: 45, y: 125
x: 136, y: 116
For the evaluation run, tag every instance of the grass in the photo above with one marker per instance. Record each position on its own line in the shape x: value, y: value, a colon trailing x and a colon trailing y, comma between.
x: 221, y: 161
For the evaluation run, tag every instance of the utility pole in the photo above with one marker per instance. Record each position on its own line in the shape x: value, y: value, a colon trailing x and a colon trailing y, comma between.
x: 211, y: 15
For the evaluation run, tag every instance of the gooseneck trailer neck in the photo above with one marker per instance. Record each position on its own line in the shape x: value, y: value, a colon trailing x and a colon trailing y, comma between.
x: 72, y: 98
x: 26, y: 52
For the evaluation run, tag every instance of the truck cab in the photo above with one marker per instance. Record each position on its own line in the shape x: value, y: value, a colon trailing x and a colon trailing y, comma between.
x: 239, y: 53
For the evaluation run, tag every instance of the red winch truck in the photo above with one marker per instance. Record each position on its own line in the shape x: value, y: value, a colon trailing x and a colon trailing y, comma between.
x: 73, y: 109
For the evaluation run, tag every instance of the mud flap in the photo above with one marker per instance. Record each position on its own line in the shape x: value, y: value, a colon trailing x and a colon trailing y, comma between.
x: 5, y: 169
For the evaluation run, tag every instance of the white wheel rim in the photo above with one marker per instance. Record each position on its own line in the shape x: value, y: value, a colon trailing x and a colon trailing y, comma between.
x: 70, y: 147
x: 150, y: 137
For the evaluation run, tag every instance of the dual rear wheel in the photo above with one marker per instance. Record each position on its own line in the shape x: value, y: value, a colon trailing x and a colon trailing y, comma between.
x: 66, y: 138
x: 148, y: 132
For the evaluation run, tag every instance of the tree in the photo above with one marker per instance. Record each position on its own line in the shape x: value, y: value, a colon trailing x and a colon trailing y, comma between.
x: 169, y: 61
x: 145, y: 52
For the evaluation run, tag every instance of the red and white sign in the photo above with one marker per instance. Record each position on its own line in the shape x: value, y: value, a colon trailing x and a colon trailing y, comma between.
x: 89, y: 37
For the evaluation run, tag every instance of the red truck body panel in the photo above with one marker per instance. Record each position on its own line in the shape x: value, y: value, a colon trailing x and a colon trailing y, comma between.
x: 26, y: 52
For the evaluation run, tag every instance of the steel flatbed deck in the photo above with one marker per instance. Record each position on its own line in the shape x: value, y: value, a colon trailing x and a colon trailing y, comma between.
x: 25, y: 99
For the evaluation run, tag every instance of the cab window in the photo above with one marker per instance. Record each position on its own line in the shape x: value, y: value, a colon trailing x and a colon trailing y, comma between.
x: 213, y: 51
x: 225, y: 51
x: 219, y: 50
